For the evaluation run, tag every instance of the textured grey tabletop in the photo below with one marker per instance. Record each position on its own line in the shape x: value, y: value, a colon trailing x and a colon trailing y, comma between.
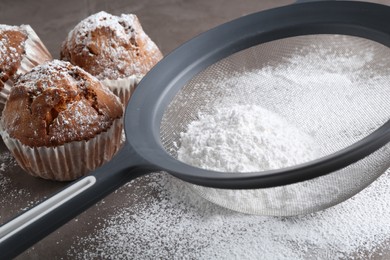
x: 101, y: 232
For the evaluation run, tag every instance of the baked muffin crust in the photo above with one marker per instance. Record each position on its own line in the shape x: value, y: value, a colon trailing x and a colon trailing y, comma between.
x: 57, y: 103
x: 110, y: 47
x: 12, y: 40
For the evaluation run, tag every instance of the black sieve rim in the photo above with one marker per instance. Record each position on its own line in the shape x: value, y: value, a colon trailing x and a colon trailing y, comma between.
x: 156, y: 90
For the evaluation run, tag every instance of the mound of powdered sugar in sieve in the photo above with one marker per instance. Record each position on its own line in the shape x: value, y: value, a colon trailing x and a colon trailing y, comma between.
x: 244, y: 138
x: 247, y: 138
x: 335, y: 96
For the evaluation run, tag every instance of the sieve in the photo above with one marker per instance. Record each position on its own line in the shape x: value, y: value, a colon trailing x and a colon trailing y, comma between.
x: 193, y: 78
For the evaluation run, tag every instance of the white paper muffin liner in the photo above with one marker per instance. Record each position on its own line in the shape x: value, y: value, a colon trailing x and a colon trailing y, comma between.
x: 35, y: 53
x: 69, y: 161
x: 124, y: 87
x: 4, y: 93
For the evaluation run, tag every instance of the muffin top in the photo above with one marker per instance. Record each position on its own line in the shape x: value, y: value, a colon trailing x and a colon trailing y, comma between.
x: 12, y: 40
x: 56, y: 103
x: 110, y: 47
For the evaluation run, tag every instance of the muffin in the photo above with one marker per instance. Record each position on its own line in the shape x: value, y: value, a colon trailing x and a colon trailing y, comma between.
x: 20, y: 51
x: 115, y: 49
x: 60, y: 122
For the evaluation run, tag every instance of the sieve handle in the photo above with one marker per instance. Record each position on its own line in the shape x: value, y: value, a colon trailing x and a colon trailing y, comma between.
x: 31, y: 226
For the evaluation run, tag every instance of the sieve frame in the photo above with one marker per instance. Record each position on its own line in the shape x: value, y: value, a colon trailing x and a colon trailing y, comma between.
x: 156, y: 90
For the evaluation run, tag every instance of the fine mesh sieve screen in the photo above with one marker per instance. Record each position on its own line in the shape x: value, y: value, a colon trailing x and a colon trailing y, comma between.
x: 334, y: 88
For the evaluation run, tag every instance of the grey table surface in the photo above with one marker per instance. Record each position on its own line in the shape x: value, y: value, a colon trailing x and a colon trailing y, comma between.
x: 169, y: 23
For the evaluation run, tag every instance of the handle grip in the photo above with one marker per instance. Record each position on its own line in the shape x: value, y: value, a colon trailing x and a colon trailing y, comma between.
x: 28, y: 228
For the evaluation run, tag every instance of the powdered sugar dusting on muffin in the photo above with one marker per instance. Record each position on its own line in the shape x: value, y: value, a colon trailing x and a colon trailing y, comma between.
x: 47, y: 74
x: 7, y: 27
x: 111, y: 47
x: 8, y: 53
x: 44, y: 76
x: 79, y: 113
x: 20, y: 51
x: 12, y: 41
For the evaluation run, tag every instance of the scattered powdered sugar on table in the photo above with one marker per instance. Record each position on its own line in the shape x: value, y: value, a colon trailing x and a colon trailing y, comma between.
x: 4, y: 180
x: 5, y: 160
x: 175, y: 224
x: 8, y: 190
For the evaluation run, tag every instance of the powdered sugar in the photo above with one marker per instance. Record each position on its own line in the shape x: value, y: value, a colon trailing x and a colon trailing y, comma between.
x: 125, y: 50
x: 174, y: 224
x: 322, y: 89
x: 18, y: 55
x: 8, y: 27
x: 51, y: 73
x: 249, y: 138
x: 103, y: 19
x: 244, y: 138
x: 10, y: 52
x: 5, y: 44
x: 9, y: 192
x: 48, y: 74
